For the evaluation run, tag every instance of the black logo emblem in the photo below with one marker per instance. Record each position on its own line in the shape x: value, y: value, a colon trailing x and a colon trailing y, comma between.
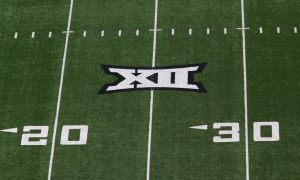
x: 162, y: 78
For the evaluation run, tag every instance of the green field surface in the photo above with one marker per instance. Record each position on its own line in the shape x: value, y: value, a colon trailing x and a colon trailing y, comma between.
x: 51, y: 54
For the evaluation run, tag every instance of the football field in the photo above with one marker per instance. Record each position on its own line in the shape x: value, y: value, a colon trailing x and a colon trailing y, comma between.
x: 150, y: 90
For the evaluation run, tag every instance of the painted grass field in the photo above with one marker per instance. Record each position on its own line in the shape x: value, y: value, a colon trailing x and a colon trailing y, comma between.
x: 55, y: 125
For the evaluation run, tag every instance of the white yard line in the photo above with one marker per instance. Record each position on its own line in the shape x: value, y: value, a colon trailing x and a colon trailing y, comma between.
x: 245, y: 90
x: 152, y: 92
x: 150, y: 135
x: 60, y: 91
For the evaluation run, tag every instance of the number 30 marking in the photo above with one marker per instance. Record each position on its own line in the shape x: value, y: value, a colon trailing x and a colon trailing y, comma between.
x: 235, y: 134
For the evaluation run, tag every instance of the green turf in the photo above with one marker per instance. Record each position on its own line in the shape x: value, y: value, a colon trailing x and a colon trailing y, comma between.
x: 273, y: 63
x: 118, y: 123
x: 30, y: 71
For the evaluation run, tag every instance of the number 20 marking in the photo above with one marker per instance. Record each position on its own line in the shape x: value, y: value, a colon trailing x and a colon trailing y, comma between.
x: 235, y: 134
x: 41, y: 136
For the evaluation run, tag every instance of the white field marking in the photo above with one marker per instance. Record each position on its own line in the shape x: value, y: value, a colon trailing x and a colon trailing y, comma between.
x: 243, y: 28
x: 172, y: 32
x: 207, y: 31
x: 156, y: 29
x: 202, y: 127
x: 16, y: 35
x: 225, y: 30
x: 245, y: 90
x: 190, y: 31
x: 102, y: 33
x: 295, y: 30
x: 84, y: 34
x: 261, y: 30
x: 68, y: 32
x: 137, y: 32
x: 152, y: 92
x: 120, y: 33
x: 50, y: 34
x: 60, y: 90
x: 32, y: 34
x: 278, y: 30
x: 11, y: 130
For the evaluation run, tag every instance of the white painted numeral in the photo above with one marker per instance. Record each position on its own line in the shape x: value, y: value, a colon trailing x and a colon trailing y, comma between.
x: 39, y: 138
x: 27, y: 136
x: 66, y: 131
x: 257, y: 131
x: 234, y: 132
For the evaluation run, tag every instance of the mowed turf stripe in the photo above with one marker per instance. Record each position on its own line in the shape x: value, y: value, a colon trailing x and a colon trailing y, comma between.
x: 118, y: 123
x: 245, y: 89
x: 177, y: 151
x: 60, y: 90
x: 152, y: 92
